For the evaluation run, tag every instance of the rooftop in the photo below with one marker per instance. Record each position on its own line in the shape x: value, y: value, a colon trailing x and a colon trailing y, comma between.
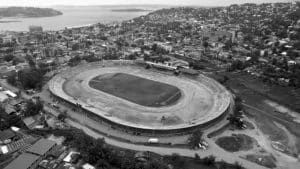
x: 3, y: 97
x: 6, y: 134
x: 24, y: 161
x: 41, y: 147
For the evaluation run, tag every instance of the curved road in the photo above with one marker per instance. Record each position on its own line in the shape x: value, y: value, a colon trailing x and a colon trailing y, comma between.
x: 213, y: 148
x: 220, y: 155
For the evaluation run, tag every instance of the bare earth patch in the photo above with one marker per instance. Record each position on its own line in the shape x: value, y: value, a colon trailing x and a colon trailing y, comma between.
x: 264, y: 160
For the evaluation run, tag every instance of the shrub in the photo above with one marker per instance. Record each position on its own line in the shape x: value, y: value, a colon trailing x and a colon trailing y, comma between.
x: 177, y: 160
x: 237, y: 165
x: 209, y: 161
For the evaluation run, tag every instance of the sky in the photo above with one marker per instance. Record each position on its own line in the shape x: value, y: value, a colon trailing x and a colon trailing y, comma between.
x: 126, y: 2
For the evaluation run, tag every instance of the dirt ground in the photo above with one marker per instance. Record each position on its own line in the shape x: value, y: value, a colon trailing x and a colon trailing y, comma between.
x: 273, y: 110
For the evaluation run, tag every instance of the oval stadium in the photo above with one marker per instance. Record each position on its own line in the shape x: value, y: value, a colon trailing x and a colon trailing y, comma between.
x: 126, y: 94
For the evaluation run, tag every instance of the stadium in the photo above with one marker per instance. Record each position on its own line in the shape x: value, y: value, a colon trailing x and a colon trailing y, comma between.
x: 127, y: 95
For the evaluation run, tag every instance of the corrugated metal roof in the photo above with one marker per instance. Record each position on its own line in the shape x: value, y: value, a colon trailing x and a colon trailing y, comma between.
x: 24, y: 161
x: 41, y: 147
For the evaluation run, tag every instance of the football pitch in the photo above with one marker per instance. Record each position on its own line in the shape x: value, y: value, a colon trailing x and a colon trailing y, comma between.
x: 138, y: 90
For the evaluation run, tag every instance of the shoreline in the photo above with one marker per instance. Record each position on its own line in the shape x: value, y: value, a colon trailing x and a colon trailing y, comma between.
x: 7, y: 21
x: 46, y: 28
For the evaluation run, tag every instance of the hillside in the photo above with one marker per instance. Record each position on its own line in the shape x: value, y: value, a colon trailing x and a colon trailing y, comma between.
x: 28, y: 12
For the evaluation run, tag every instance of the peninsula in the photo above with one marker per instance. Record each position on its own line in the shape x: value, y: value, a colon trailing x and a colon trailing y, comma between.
x: 27, y: 12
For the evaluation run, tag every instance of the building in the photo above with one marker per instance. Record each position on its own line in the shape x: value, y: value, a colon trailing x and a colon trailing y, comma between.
x: 88, y: 166
x: 35, y: 29
x: 10, y: 93
x: 3, y: 97
x: 6, y: 136
x: 7, y: 39
x: 42, y: 147
x: 24, y: 161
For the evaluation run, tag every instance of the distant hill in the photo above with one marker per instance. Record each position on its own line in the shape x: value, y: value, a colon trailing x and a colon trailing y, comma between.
x: 129, y: 10
x: 28, y: 12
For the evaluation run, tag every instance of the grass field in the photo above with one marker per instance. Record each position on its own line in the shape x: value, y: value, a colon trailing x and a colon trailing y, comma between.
x: 236, y: 142
x: 141, y: 91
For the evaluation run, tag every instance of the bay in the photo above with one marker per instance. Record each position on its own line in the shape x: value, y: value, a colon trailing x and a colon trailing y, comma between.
x: 72, y: 16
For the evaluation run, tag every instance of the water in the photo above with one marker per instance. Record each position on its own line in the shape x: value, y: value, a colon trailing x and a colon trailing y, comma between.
x: 72, y: 16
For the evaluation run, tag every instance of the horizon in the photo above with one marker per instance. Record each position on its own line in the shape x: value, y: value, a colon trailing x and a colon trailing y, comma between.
x: 204, y: 3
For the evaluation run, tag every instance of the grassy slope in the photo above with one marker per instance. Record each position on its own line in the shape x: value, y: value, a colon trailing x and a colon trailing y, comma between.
x: 254, y: 93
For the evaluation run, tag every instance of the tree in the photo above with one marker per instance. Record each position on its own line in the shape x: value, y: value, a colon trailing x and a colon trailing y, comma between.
x: 155, y: 164
x: 8, y: 57
x: 16, y: 60
x: 295, y: 16
x: 74, y: 61
x: 91, y: 58
x: 12, y: 78
x: 196, y: 65
x: 209, y: 161
x: 127, y: 163
x: 237, y: 65
x: 205, y: 45
x: 33, y: 108
x: 102, y: 164
x: 75, y: 47
x: 177, y: 160
x: 197, y: 158
x: 236, y: 119
x: 223, y: 165
x: 132, y: 56
x: 154, y: 47
x: 228, y: 45
x: 30, y: 78
x: 27, y: 78
x: 62, y: 117
x: 30, y: 61
x: 237, y: 165
x: 14, y: 120
x: 3, y: 119
x: 195, y: 138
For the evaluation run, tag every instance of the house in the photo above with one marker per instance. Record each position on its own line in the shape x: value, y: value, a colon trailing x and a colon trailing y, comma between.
x: 48, y: 164
x: 10, y: 93
x: 142, y: 156
x: 3, y: 97
x: 6, y: 136
x: 88, y: 166
x: 297, y: 60
x: 42, y: 147
x: 29, y: 121
x: 24, y: 161
x: 68, y: 158
x: 10, y: 109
